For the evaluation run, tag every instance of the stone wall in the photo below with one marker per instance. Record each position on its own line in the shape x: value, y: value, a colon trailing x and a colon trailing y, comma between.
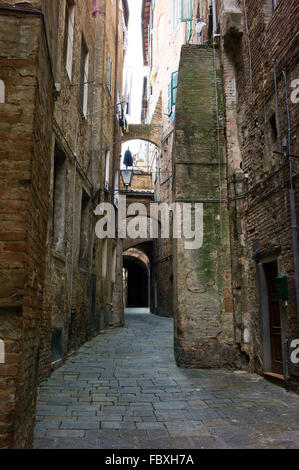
x: 26, y: 146
x: 260, y: 203
x: 54, y: 292
x: 203, y: 311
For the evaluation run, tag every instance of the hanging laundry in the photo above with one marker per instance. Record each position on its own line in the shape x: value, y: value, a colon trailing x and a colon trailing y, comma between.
x: 121, y: 123
x: 95, y: 8
x: 128, y: 158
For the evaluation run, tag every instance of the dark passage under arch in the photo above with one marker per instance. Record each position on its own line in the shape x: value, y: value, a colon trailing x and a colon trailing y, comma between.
x: 137, y: 283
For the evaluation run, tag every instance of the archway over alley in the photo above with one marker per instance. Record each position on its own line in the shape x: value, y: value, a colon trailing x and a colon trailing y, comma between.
x: 136, y: 265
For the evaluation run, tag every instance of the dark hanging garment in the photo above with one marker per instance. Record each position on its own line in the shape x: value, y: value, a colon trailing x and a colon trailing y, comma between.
x: 128, y: 159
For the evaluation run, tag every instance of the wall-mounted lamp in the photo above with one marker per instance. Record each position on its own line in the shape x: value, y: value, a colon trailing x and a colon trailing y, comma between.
x: 127, y: 176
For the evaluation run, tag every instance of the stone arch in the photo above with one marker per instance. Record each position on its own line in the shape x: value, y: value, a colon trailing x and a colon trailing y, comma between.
x: 138, y: 256
x: 149, y: 132
x: 137, y: 268
x: 146, y: 132
x: 2, y: 91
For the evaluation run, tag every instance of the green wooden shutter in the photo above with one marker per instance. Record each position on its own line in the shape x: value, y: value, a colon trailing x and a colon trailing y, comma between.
x: 186, y: 10
x: 187, y: 14
x: 174, y: 87
x: 189, y: 24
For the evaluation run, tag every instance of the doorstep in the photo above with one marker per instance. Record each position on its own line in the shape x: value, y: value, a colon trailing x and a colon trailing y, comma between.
x: 278, y: 379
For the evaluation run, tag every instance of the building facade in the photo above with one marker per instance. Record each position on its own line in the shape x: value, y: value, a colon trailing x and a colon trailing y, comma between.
x: 61, y: 104
x: 226, y: 73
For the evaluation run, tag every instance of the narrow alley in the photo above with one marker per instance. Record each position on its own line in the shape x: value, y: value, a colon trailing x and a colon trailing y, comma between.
x: 123, y: 390
x: 149, y: 208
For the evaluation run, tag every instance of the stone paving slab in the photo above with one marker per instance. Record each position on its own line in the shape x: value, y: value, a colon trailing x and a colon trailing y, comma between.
x: 123, y: 390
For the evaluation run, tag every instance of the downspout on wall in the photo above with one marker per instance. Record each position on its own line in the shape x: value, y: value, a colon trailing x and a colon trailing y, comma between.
x: 292, y: 197
x: 215, y: 24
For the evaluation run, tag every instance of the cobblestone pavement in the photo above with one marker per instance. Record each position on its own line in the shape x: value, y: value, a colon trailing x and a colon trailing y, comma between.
x: 123, y: 390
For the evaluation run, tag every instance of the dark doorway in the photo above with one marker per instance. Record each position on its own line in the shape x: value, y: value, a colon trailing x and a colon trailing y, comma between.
x: 271, y: 273
x: 137, y: 285
x: 93, y: 303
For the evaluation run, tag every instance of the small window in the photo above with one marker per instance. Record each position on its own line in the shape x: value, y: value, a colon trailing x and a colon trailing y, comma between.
x: 109, y: 73
x: 116, y: 188
x: 2, y: 92
x: 186, y: 15
x: 174, y: 86
x: 176, y: 14
x: 69, y: 36
x: 273, y: 129
x: 84, y: 77
x: 104, y: 258
x: 172, y: 91
x: 59, y: 200
x: 113, y: 265
x: 57, y: 344
x: 107, y: 170
x: 2, y: 352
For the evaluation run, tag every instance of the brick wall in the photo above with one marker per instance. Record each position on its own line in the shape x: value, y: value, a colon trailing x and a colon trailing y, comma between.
x: 204, y: 326
x: 47, y: 286
x: 25, y: 160
x: 259, y: 205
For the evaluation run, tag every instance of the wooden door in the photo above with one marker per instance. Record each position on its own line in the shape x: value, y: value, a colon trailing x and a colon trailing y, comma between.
x: 274, y: 318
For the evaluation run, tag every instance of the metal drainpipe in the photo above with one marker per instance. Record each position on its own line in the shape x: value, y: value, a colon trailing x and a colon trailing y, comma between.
x: 277, y: 103
x: 292, y: 197
x: 73, y: 222
x: 115, y: 100
x: 215, y: 29
x: 115, y: 129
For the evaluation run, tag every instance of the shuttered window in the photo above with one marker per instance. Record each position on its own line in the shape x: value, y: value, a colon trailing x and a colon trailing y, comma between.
x: 172, y: 91
x: 174, y: 87
x: 186, y: 15
x: 176, y: 15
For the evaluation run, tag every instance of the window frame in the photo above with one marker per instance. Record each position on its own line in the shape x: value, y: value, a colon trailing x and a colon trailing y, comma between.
x: 107, y: 169
x: 109, y: 73
x: 172, y: 86
x: 174, y: 79
x: 84, y: 74
x: 70, y: 35
x: 59, y: 201
x: 84, y: 229
x: 176, y: 16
